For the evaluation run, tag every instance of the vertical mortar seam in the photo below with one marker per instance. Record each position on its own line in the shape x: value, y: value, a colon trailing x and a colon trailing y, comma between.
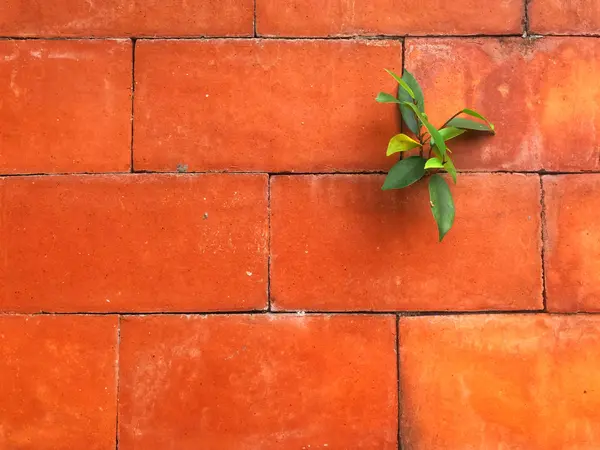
x: 403, y: 44
x: 133, y: 44
x: 543, y: 242
x: 399, y: 406
x: 403, y: 54
x: 118, y: 373
x: 254, y: 33
x: 398, y: 110
x: 525, y: 18
x: 269, y: 243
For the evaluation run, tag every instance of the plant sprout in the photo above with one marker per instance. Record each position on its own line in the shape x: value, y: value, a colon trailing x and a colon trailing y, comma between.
x: 430, y: 140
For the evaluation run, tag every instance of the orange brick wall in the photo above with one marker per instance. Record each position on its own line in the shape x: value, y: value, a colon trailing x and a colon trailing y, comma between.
x: 195, y: 252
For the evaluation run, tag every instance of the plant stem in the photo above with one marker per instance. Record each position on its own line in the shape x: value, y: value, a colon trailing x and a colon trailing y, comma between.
x: 448, y: 121
x: 420, y: 139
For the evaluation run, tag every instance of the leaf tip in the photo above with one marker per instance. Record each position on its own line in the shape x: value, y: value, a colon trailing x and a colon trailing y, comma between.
x: 442, y: 234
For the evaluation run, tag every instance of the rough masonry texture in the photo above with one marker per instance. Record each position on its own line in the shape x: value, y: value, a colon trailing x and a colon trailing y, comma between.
x: 195, y: 251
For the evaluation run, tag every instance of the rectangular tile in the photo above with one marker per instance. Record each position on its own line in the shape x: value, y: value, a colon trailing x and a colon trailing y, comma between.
x: 263, y: 105
x: 339, y: 243
x: 564, y: 17
x: 262, y: 381
x: 66, y: 106
x: 133, y: 243
x: 388, y: 17
x: 127, y: 18
x: 572, y: 247
x: 492, y: 382
x: 58, y: 382
x: 541, y: 94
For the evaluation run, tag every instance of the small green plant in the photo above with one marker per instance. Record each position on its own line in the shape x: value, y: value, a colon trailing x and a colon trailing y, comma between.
x: 432, y: 141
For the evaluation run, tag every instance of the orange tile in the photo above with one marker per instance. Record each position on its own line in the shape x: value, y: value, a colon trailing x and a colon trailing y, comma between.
x: 340, y: 243
x: 492, y: 382
x: 65, y: 106
x: 271, y: 105
x: 564, y: 17
x: 127, y: 18
x: 526, y: 88
x: 58, y: 382
x: 268, y: 382
x: 390, y: 17
x: 133, y: 243
x: 572, y: 248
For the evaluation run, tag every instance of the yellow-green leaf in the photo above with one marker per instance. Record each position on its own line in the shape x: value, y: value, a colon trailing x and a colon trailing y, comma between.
x: 434, y: 163
x: 401, y: 143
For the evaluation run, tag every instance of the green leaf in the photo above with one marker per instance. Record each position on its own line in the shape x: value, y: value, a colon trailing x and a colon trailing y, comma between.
x: 472, y: 113
x: 449, y: 133
x: 404, y: 173
x: 383, y: 97
x: 402, y: 83
x: 442, y: 205
x: 468, y: 124
x: 407, y: 113
x: 416, y: 88
x: 434, y: 163
x: 435, y: 134
x: 449, y: 166
x: 401, y: 143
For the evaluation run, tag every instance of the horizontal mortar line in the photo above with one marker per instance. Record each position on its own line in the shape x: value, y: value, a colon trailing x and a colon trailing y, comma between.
x: 203, y: 38
x: 262, y: 172
x: 311, y: 313
x: 60, y: 174
x: 460, y: 172
x: 136, y: 173
x: 66, y: 38
x: 530, y: 172
x: 394, y: 36
x: 302, y: 38
x: 589, y: 35
x: 284, y: 173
